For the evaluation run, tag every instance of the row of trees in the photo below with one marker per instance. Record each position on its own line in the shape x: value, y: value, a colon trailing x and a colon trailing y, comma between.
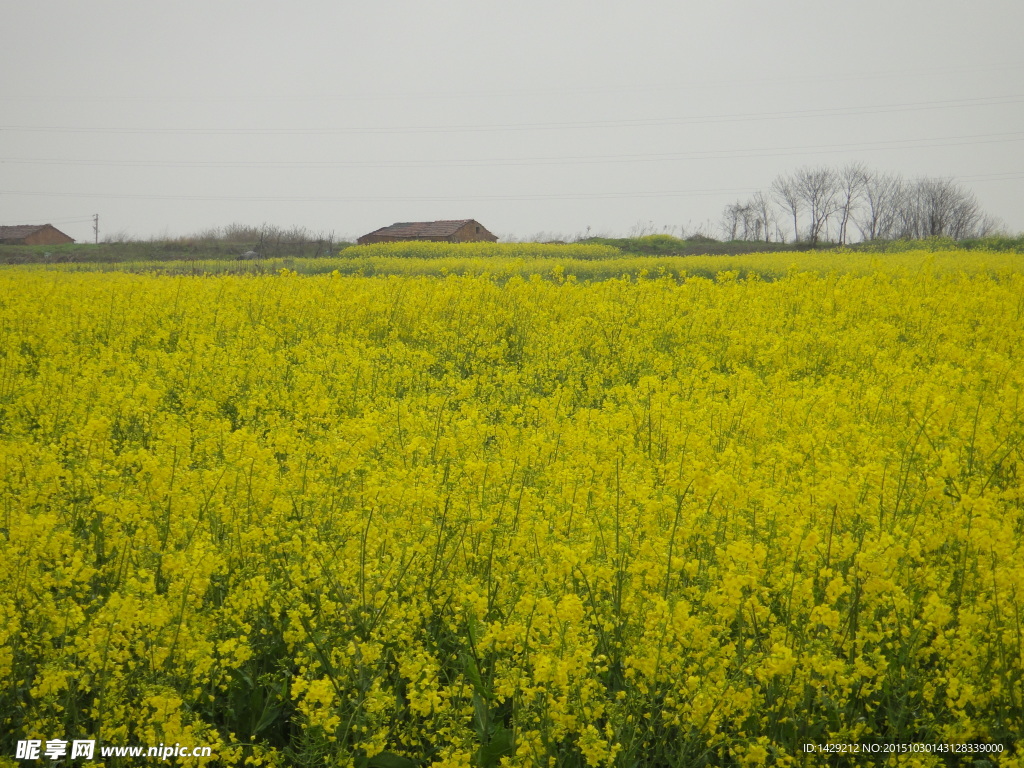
x: 825, y: 204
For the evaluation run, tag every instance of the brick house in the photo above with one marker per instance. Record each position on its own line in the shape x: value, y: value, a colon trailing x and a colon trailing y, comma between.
x: 455, y: 231
x: 33, y: 234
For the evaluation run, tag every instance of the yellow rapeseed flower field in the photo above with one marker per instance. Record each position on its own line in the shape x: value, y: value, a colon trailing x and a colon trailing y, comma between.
x: 494, y: 518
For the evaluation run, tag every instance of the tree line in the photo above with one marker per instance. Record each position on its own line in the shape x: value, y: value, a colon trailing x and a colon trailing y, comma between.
x: 825, y: 204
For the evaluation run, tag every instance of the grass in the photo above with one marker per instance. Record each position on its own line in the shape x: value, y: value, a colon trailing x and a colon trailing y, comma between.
x: 205, y: 248
x: 765, y: 266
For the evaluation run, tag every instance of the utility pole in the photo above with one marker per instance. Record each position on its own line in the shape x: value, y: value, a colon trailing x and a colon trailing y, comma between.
x: 96, y: 227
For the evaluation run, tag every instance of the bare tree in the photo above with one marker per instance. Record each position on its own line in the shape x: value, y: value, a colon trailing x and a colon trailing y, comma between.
x: 882, y: 196
x: 851, y: 181
x: 880, y: 205
x: 761, y: 207
x: 751, y: 223
x: 940, y: 208
x: 750, y: 220
x: 786, y: 191
x: 818, y: 189
x: 733, y: 220
x: 950, y: 210
x: 990, y: 225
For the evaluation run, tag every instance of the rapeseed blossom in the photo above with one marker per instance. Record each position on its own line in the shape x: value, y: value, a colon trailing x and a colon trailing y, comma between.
x: 487, y: 520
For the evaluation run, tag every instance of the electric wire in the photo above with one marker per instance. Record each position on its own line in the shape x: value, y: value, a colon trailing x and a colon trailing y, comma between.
x: 541, y: 126
x: 893, y: 144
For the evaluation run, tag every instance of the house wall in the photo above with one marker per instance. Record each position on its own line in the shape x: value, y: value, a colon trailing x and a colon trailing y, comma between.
x: 47, y: 236
x: 473, y: 232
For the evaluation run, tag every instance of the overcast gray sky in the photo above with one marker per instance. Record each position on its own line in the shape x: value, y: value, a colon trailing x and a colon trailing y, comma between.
x: 535, y: 116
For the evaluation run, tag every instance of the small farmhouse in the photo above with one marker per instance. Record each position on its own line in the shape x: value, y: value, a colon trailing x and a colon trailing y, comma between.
x: 456, y: 231
x: 33, y: 234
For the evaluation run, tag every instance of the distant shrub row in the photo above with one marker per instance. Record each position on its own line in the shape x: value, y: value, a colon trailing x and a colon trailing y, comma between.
x: 434, y: 250
x: 1002, y: 243
x: 202, y: 249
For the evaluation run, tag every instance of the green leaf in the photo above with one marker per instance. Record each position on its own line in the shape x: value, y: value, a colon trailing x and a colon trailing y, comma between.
x: 385, y: 760
x: 500, y: 745
x: 473, y: 673
x: 481, y: 716
x: 269, y: 716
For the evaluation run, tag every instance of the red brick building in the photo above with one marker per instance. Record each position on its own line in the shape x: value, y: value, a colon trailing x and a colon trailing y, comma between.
x: 455, y: 231
x: 33, y: 234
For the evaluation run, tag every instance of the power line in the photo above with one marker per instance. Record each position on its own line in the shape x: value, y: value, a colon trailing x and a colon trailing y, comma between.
x: 566, y: 125
x: 62, y: 222
x: 78, y: 220
x: 999, y: 176
x: 1007, y: 176
x: 917, y: 143
x: 393, y: 198
x: 497, y: 93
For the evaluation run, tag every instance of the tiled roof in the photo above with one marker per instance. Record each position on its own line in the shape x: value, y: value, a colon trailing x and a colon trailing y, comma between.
x: 19, y: 231
x: 422, y: 228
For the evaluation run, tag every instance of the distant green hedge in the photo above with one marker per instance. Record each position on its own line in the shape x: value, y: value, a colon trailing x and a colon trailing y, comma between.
x: 434, y: 250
